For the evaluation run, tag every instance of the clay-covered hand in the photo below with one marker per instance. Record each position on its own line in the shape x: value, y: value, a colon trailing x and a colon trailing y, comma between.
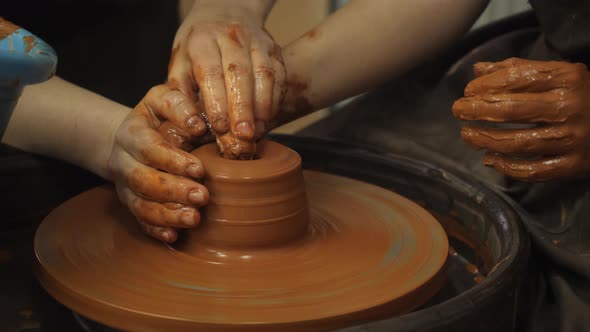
x: 153, y: 176
x: 224, y: 58
x: 552, y: 97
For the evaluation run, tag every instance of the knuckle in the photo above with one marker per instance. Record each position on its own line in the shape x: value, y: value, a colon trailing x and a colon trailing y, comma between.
x: 567, y: 138
x: 198, y: 39
x: 512, y: 62
x: 209, y: 73
x: 243, y: 105
x: 154, y: 91
x: 264, y: 72
x: 161, y: 214
x: 143, y: 184
x: 173, y: 206
x: 148, y: 152
x: 219, y: 121
x: 577, y: 77
x: 136, y: 206
x: 239, y: 69
x: 173, y: 98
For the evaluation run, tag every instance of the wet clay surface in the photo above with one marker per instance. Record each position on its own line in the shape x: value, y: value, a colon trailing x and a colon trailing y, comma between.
x: 252, y: 204
x: 44, y: 314
x: 361, y: 240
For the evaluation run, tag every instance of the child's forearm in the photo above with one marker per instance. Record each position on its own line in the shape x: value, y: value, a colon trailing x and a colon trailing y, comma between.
x: 64, y: 121
x: 367, y: 42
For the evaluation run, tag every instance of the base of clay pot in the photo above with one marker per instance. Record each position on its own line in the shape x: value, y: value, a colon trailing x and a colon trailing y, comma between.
x: 367, y: 254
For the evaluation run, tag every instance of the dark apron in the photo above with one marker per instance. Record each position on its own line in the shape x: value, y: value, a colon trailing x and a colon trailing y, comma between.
x: 412, y: 116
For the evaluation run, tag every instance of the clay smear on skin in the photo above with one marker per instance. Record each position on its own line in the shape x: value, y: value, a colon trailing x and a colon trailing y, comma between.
x: 535, y: 91
x: 312, y: 34
x: 233, y: 34
x: 296, y: 90
x: 7, y: 28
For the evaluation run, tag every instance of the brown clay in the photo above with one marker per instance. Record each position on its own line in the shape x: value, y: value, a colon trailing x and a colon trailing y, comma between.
x: 7, y: 28
x: 278, y: 249
x: 232, y: 147
x: 296, y: 103
x: 30, y: 42
x: 175, y: 136
x: 458, y: 231
x: 233, y: 33
x: 471, y: 268
x: 312, y: 34
x: 257, y: 203
x: 479, y: 279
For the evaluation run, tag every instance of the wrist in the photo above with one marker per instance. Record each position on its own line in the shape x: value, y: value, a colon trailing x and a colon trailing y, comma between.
x: 298, y: 101
x: 99, y: 162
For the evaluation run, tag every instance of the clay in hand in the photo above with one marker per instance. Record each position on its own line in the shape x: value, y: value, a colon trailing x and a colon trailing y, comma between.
x: 234, y: 68
x: 154, y: 177
x: 551, y: 97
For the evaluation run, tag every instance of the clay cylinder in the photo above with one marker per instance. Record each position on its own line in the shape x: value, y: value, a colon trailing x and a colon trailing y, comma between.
x: 252, y: 203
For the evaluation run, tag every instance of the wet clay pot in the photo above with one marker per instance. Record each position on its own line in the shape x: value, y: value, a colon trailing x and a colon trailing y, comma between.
x: 484, y: 231
x: 278, y: 249
x: 255, y: 203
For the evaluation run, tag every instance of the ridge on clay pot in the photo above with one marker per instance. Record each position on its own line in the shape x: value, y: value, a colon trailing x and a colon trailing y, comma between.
x: 252, y: 203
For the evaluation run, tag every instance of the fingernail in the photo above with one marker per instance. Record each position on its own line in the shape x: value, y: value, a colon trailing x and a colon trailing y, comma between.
x: 220, y: 125
x: 196, y: 124
x: 195, y: 170
x: 192, y: 121
x: 188, y: 218
x: 244, y: 129
x: 196, y: 196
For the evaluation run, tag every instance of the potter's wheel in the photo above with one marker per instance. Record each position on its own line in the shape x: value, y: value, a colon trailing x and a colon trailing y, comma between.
x: 366, y: 253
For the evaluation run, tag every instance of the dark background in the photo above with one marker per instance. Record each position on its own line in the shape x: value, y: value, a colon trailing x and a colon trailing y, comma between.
x: 119, y: 49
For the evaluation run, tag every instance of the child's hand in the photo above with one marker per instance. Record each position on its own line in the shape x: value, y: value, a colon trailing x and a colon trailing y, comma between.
x: 223, y: 56
x: 154, y: 177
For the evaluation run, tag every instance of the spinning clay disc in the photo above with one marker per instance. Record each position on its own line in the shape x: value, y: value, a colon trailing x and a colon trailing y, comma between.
x: 278, y: 249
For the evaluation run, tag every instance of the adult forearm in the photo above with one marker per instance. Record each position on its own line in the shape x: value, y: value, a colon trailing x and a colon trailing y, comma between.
x: 63, y: 121
x: 367, y: 42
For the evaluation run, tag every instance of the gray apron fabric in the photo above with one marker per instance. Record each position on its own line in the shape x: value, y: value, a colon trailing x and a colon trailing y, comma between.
x: 412, y: 116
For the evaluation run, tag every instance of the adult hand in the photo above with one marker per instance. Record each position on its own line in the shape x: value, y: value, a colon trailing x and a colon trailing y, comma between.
x: 553, y: 96
x: 224, y: 59
x: 152, y: 174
